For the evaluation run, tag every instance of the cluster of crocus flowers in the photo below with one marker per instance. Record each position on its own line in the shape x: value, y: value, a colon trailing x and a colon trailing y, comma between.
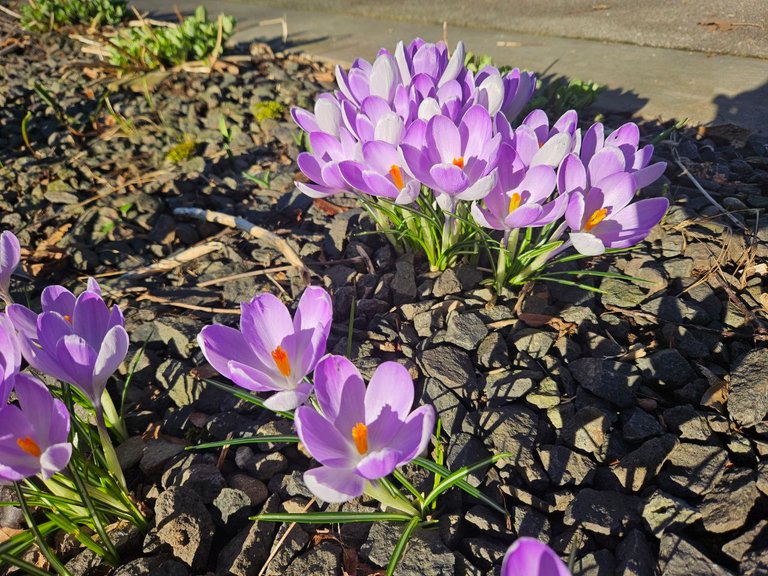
x: 78, y: 340
x: 418, y: 126
x: 271, y: 352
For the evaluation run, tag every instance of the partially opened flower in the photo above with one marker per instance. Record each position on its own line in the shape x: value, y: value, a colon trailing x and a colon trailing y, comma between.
x: 456, y: 162
x: 10, y: 358
x: 34, y: 434
x: 322, y: 164
x: 529, y: 557
x: 603, y: 217
x: 272, y: 352
x: 507, y: 94
x: 537, y: 143
x: 10, y: 255
x: 519, y: 199
x: 625, y: 141
x: 361, y: 434
x: 78, y: 340
x: 430, y: 60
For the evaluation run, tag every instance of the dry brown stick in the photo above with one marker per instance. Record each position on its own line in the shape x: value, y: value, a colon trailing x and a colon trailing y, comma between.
x: 276, y: 547
x: 169, y: 302
x: 254, y: 231
x: 173, y: 261
x: 250, y: 274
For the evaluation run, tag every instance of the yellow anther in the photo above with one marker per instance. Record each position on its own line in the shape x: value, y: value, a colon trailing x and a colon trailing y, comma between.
x: 514, y: 202
x: 360, y: 436
x: 280, y: 357
x: 595, y: 219
x: 397, y: 176
x: 29, y: 446
x: 459, y: 162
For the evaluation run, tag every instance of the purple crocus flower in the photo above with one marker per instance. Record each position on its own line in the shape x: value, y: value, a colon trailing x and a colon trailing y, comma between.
x: 10, y: 358
x: 430, y: 60
x: 518, y: 200
x: 326, y: 117
x: 322, y: 164
x: 10, y: 255
x: 382, y: 173
x: 623, y: 143
x: 457, y: 163
x: 537, y: 143
x: 603, y: 217
x: 529, y: 557
x: 33, y: 435
x: 365, y: 79
x: 362, y: 434
x: 271, y: 352
x: 507, y: 94
x: 78, y: 340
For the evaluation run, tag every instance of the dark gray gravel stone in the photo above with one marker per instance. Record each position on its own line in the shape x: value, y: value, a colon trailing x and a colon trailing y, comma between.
x: 727, y: 506
x: 465, y: 330
x: 566, y: 467
x: 637, y: 425
x: 598, y: 563
x: 615, y: 382
x: 678, y: 557
x: 403, y: 283
x: 464, y: 450
x: 195, y: 473
x: 676, y: 310
x: 756, y: 538
x: 426, y: 554
x: 587, y: 430
x: 185, y: 525
x: 639, y: 467
x: 707, y: 461
x: 152, y: 566
x: 156, y: 454
x: 483, y: 552
x: 324, y: 560
x: 231, y: 509
x: 635, y: 555
x: 452, y: 367
x: 663, y: 512
x: 246, y: 553
x: 748, y: 400
x: 492, y: 352
x: 667, y: 367
x: 601, y: 511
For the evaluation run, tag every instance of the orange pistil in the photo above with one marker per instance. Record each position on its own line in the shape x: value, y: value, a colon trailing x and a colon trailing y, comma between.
x: 280, y: 357
x: 68, y: 318
x: 514, y: 202
x: 397, y: 176
x: 595, y: 219
x: 459, y: 162
x: 29, y: 446
x: 360, y: 436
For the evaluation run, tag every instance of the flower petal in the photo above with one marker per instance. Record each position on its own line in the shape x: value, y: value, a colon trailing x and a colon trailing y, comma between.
x: 529, y: 557
x: 323, y: 440
x: 587, y: 244
x: 340, y: 391
x: 334, y: 485
x: 412, y: 439
x: 220, y: 344
x: 113, y: 349
x: 378, y: 464
x: 289, y: 400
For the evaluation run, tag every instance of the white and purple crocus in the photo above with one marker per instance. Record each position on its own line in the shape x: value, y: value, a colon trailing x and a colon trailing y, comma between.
x: 360, y: 434
x: 272, y: 352
x: 529, y: 557
x: 10, y: 256
x: 33, y: 434
x: 78, y: 340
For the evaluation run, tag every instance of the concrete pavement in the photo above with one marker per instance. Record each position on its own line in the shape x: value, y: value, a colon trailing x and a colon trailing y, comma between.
x: 653, y: 82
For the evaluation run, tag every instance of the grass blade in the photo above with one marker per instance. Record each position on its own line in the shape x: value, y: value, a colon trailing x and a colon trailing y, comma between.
x: 399, y: 550
x: 276, y: 439
x: 333, y: 517
x: 455, y: 477
x: 244, y: 395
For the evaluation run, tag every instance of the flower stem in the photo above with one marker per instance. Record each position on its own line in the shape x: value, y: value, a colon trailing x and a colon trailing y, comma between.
x: 44, y: 548
x: 397, y: 501
x: 113, y: 463
x: 113, y: 417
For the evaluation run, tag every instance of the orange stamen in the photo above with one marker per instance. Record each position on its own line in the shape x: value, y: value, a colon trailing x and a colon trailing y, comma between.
x: 397, y: 176
x: 29, y: 446
x: 514, y: 202
x: 360, y: 436
x: 280, y: 357
x: 68, y: 318
x: 595, y: 219
x: 459, y: 162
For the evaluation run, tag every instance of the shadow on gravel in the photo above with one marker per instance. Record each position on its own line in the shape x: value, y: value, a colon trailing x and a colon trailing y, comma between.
x: 748, y: 109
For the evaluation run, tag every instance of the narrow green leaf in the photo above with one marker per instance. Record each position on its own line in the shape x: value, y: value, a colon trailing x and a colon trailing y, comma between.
x: 332, y: 517
x: 456, y: 477
x: 244, y: 395
x: 276, y: 439
x: 399, y: 550
x: 25, y: 566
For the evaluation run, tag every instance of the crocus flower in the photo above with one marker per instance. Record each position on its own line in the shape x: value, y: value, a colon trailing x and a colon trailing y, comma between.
x: 78, y: 340
x: 507, y: 94
x: 322, y: 164
x: 624, y: 141
x: 382, y: 173
x: 456, y: 162
x: 10, y: 255
x: 603, y: 217
x: 362, y: 434
x: 33, y: 435
x: 270, y: 352
x: 10, y: 358
x: 430, y: 60
x: 529, y: 557
x: 537, y: 143
x: 518, y: 200
x: 326, y: 117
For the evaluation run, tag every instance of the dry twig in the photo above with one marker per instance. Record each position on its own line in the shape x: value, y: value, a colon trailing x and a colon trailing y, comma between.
x: 173, y: 261
x: 254, y: 231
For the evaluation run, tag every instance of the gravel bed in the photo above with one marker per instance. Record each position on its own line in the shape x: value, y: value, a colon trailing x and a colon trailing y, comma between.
x: 637, y: 417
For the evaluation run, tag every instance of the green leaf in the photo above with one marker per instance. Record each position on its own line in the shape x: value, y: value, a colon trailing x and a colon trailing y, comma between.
x: 402, y: 542
x: 455, y: 477
x: 276, y: 439
x: 333, y: 517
